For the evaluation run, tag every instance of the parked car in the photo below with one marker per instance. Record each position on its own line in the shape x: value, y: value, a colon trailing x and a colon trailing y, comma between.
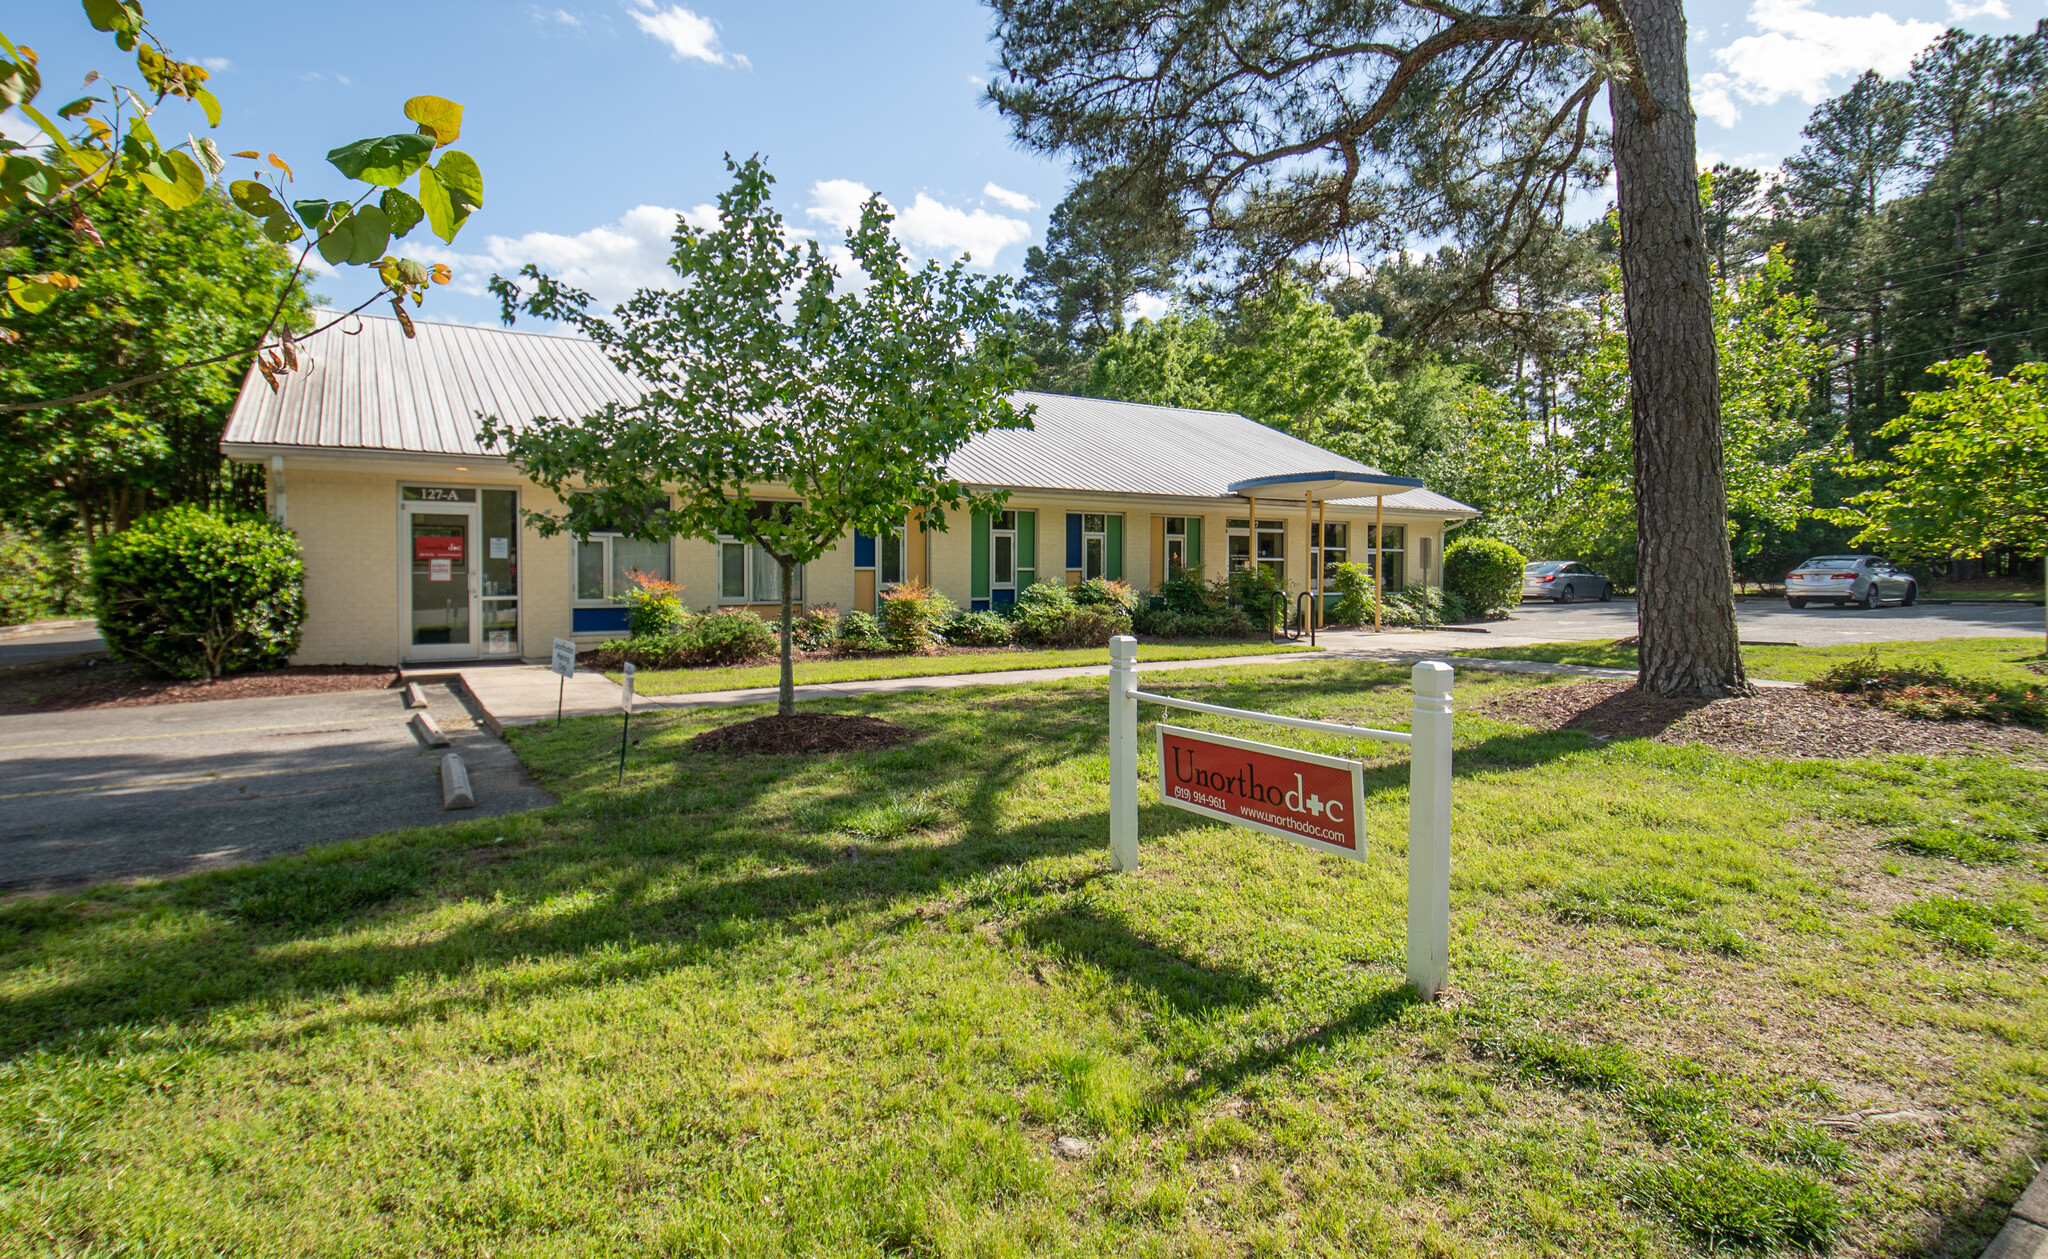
x: 1864, y: 580
x: 1564, y: 581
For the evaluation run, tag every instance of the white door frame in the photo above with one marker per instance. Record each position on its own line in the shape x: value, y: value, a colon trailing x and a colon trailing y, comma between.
x: 470, y: 648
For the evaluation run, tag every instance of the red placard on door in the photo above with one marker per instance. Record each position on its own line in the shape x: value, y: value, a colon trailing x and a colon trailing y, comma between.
x: 429, y: 546
x: 1312, y: 799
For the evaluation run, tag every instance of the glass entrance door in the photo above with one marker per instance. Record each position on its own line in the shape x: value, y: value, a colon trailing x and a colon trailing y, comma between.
x: 442, y: 587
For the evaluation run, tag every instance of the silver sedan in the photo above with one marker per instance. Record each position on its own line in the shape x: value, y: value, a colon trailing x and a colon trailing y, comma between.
x: 1864, y: 581
x: 1566, y: 581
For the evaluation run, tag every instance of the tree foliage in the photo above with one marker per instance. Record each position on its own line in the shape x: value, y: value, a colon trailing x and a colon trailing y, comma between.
x: 782, y: 404
x: 98, y: 146
x: 160, y: 287
x: 192, y: 594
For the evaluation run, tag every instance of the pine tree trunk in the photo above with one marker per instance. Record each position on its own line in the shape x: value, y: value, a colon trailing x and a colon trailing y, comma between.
x: 785, y: 699
x: 1685, y: 593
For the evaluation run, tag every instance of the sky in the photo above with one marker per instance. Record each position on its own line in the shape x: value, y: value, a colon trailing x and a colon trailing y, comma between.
x: 596, y: 122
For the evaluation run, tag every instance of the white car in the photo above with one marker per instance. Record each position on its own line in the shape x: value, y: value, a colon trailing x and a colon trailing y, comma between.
x: 1565, y: 581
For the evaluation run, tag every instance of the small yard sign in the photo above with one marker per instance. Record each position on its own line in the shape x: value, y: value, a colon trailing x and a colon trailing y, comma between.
x: 564, y: 661
x: 1311, y: 799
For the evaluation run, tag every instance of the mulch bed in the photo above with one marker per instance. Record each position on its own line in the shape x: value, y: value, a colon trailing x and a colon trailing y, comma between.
x: 802, y: 733
x: 104, y: 683
x: 1780, y: 721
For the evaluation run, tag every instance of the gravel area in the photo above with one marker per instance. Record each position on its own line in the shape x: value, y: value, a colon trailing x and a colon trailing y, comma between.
x: 1787, y: 722
x: 804, y: 732
x: 69, y: 685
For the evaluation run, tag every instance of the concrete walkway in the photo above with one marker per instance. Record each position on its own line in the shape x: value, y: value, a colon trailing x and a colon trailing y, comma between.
x: 2025, y: 1235
x: 524, y: 694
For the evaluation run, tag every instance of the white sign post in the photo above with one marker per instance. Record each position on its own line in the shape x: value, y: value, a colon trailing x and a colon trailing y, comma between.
x: 563, y: 665
x: 1429, y: 794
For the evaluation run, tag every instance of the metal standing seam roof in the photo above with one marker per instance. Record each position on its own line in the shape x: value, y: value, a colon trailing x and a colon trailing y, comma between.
x: 376, y: 391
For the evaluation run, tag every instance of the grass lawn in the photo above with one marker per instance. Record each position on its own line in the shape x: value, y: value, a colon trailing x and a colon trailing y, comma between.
x: 844, y: 1006
x: 869, y: 668
x: 2000, y: 660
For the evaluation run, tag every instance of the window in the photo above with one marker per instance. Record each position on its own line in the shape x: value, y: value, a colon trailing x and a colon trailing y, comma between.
x: 1396, y: 535
x: 1176, y: 544
x: 603, y: 561
x: 1003, y: 550
x: 1336, y: 548
x: 1271, y: 547
x: 748, y: 574
x: 889, y: 559
x: 1094, y: 545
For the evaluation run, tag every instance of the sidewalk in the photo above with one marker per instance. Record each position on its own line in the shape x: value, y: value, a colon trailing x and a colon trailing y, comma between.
x: 523, y: 694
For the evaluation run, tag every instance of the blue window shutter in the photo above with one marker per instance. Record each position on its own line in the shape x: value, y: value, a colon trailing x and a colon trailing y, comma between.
x: 1073, y: 539
x: 863, y: 550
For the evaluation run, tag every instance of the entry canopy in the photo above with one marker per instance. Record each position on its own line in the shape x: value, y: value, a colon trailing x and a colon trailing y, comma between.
x: 1323, y: 485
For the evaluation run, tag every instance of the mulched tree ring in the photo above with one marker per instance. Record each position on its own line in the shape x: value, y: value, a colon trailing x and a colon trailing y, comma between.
x: 1776, y: 721
x: 802, y: 733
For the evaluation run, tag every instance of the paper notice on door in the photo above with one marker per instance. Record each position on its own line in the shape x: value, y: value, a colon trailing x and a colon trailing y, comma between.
x: 440, y: 570
x: 501, y: 548
x: 501, y: 640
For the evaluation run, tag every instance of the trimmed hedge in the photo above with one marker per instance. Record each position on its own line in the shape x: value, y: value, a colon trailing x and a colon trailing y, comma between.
x: 191, y: 594
x: 721, y: 638
x: 1485, y: 572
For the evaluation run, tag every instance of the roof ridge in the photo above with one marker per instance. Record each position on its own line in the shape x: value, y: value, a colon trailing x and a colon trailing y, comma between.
x: 450, y: 323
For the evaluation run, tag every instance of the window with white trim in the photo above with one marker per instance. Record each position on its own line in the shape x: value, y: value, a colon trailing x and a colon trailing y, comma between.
x: 748, y: 574
x: 1336, y: 548
x: 1094, y: 545
x: 1271, y: 542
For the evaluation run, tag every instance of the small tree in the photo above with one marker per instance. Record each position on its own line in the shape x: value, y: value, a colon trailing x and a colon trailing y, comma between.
x: 761, y: 373
x: 1967, y: 475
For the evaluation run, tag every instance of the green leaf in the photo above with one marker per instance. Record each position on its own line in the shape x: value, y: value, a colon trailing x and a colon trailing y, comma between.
x: 187, y: 185
x: 336, y: 243
x: 449, y: 191
x: 402, y: 209
x: 371, y: 232
x: 438, y: 118
x: 33, y: 296
x: 210, y: 103
x: 389, y: 161
x: 112, y: 15
x: 254, y: 196
x: 82, y: 105
x: 280, y: 228
x: 311, y: 210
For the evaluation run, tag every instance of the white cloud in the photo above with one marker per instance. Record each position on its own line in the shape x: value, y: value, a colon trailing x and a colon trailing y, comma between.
x: 687, y: 34
x: 217, y: 64
x: 1804, y: 53
x: 566, y: 18
x: 938, y: 228
x: 19, y: 129
x: 929, y: 226
x: 837, y: 202
x: 1147, y: 306
x: 608, y: 262
x: 1959, y: 10
x: 1015, y: 200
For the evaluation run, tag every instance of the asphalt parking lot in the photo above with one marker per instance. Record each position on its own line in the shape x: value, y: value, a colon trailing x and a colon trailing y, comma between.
x: 1773, y: 621
x: 165, y: 790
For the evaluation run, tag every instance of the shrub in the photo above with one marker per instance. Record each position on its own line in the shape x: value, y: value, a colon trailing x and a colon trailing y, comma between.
x: 1050, y: 616
x: 912, y: 615
x: 1353, y: 584
x: 654, y: 606
x: 28, y: 587
x: 817, y: 629
x: 1167, y: 622
x: 192, y: 594
x: 1252, y: 589
x: 1098, y: 593
x: 1455, y: 608
x: 978, y: 629
x: 1485, y: 572
x: 1931, y: 692
x: 1184, y: 593
x: 728, y: 637
x: 860, y: 633
x: 720, y: 638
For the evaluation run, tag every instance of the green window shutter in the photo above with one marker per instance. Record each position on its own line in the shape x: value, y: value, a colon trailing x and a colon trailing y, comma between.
x: 1027, y: 548
x: 978, y: 587
x: 1194, y: 563
x: 1114, y: 561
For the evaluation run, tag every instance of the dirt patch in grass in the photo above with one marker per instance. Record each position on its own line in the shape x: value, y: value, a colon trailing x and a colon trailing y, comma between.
x: 802, y: 733
x: 1776, y: 722
x: 101, y: 682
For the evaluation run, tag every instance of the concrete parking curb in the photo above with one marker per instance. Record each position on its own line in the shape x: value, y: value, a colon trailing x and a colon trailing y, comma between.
x: 456, y: 792
x: 2025, y: 1235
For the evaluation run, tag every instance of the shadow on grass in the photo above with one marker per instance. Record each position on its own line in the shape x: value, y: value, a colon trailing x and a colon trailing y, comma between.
x: 1376, y: 1011
x: 1082, y: 934
x: 689, y: 862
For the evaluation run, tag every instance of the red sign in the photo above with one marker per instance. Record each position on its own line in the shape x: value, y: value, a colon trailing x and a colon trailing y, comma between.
x: 1311, y: 799
x: 428, y: 546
